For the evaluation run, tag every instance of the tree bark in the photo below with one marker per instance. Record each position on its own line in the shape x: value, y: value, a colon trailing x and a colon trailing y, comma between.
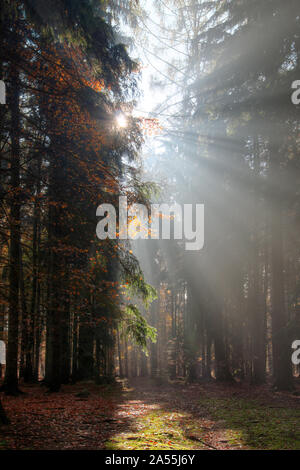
x: 282, y: 365
x: 11, y: 376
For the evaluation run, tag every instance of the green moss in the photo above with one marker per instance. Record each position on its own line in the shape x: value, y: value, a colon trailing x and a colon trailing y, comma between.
x: 250, y: 424
x: 158, y: 430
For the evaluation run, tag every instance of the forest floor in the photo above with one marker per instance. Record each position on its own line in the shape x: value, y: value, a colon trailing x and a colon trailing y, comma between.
x: 145, y: 415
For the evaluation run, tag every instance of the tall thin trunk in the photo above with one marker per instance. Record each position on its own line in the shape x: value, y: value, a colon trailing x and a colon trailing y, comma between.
x: 75, y: 347
x: 29, y: 368
x: 282, y: 365
x: 38, y: 328
x: 257, y: 313
x: 126, y: 357
x: 25, y: 322
x: 120, y: 354
x: 11, y: 375
x: 65, y: 337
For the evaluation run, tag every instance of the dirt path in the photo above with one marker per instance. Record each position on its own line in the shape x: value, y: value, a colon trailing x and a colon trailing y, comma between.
x: 143, y: 415
x: 163, y: 417
x: 208, y: 416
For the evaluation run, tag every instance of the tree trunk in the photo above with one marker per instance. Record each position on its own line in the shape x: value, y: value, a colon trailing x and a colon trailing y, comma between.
x: 11, y: 376
x: 282, y: 365
x: 65, y: 336
x: 29, y: 368
x: 256, y: 311
x: 121, y: 373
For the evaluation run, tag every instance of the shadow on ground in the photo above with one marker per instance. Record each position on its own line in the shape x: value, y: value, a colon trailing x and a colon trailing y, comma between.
x: 208, y: 416
x: 144, y: 415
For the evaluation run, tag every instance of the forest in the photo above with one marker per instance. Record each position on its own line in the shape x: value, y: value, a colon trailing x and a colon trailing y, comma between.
x: 115, y: 336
